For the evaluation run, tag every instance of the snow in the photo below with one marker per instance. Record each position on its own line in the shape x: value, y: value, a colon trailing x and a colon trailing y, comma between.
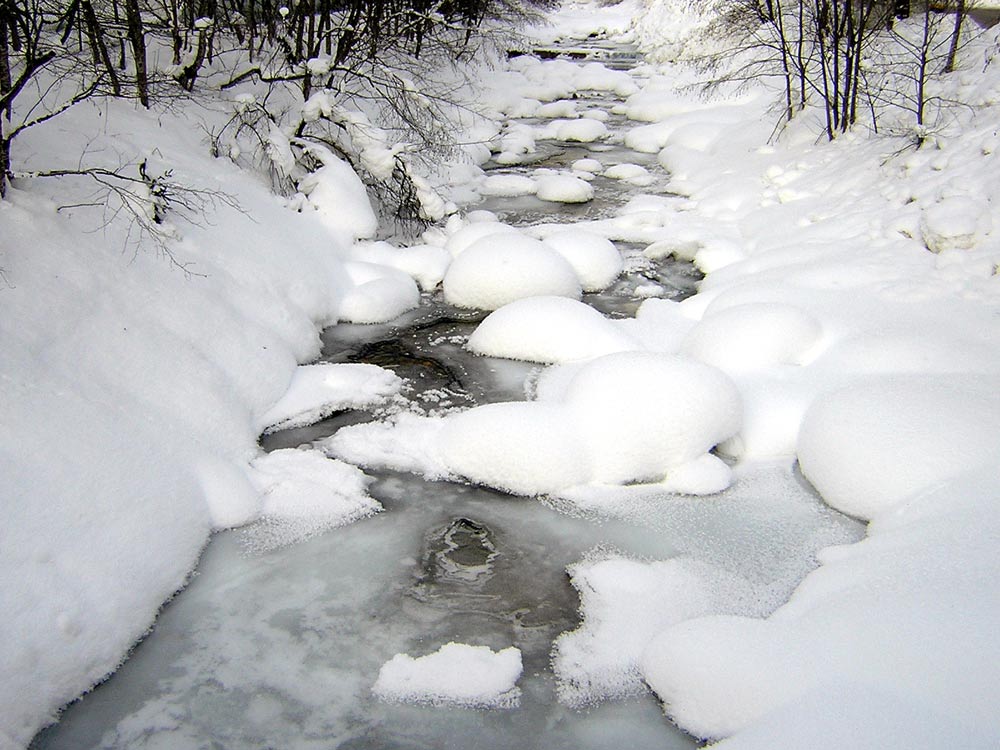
x: 548, y: 329
x: 137, y: 378
x: 317, y: 391
x: 457, y: 674
x: 380, y: 293
x: 847, y: 322
x: 645, y: 413
x: 595, y: 259
x: 584, y: 130
x: 472, y: 232
x: 337, y: 195
x: 563, y: 188
x: 869, y: 448
x: 754, y: 336
x: 507, y: 185
x: 955, y: 223
x: 504, y: 266
x: 521, y: 448
x: 426, y: 264
x: 304, y: 493
x: 627, y: 603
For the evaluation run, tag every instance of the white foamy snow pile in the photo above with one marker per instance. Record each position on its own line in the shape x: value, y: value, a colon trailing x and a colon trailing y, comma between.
x: 505, y: 266
x: 304, y: 493
x: 457, y: 674
x: 317, y: 391
x: 631, y: 416
x: 548, y: 330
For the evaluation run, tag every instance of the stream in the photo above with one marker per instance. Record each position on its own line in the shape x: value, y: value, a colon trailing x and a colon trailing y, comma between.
x: 279, y: 649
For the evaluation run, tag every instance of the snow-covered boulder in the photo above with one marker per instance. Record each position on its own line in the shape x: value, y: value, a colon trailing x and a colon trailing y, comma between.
x: 503, y: 267
x: 548, y: 329
x: 595, y: 258
x: 563, y: 188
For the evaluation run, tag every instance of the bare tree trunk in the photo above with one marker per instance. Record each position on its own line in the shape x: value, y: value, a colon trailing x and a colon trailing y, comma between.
x: 4, y: 161
x: 96, y: 35
x: 138, y: 43
x: 960, y: 11
x: 5, y: 81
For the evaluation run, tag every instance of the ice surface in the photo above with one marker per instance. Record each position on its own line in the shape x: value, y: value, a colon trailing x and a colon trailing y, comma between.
x: 457, y: 674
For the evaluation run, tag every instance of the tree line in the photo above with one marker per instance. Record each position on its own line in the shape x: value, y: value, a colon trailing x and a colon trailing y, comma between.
x: 853, y: 57
x: 57, y: 53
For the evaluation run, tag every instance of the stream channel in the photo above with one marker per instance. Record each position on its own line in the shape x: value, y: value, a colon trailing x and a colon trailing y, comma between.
x: 279, y: 649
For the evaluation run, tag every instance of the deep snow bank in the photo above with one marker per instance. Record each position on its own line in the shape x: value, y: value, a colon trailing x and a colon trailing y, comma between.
x: 134, y: 392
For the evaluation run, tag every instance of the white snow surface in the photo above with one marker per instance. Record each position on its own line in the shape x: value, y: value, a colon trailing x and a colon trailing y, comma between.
x: 504, y: 266
x: 457, y: 674
x: 136, y: 384
x: 548, y: 330
x: 595, y: 259
x: 305, y: 493
x: 563, y: 188
x: 317, y: 391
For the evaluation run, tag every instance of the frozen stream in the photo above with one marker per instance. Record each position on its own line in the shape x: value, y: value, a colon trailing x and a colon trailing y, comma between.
x: 280, y: 649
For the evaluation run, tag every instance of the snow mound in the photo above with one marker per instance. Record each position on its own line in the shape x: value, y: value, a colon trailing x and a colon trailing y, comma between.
x: 643, y: 413
x: 634, y: 174
x: 426, y: 264
x: 520, y: 447
x: 548, y: 329
x: 317, y: 391
x: 406, y: 442
x: 903, y: 610
x: 625, y: 604
x: 955, y: 223
x: 337, y: 194
x: 563, y: 108
x: 499, y: 269
x: 754, y: 336
x: 380, y: 293
x: 563, y: 188
x: 456, y: 674
x: 471, y: 233
x: 584, y: 130
x: 596, y: 76
x: 507, y: 185
x: 304, y: 494
x: 705, y: 475
x: 868, y: 448
x: 587, y: 165
x: 595, y: 259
